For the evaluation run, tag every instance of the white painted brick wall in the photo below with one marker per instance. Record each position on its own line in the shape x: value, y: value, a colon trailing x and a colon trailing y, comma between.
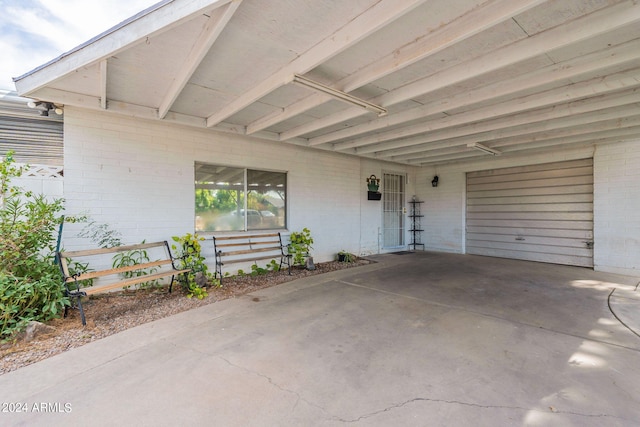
x: 617, y: 208
x: 137, y: 176
x: 443, y: 209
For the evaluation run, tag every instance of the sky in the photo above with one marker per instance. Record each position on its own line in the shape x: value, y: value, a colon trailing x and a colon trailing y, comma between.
x: 33, y: 32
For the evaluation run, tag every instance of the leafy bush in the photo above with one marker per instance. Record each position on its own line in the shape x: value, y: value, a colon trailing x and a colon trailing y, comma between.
x: 273, y: 265
x: 135, y: 257
x: 300, y: 245
x: 30, y: 283
x: 344, y: 256
x: 23, y: 300
x: 188, y: 251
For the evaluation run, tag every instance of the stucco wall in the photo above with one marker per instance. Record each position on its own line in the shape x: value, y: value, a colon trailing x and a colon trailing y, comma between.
x: 138, y: 177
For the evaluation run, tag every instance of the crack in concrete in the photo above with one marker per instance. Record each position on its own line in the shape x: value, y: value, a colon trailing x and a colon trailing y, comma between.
x: 491, y: 316
x: 477, y: 405
x: 299, y: 398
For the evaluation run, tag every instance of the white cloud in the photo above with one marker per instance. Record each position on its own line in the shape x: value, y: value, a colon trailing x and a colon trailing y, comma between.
x: 33, y: 32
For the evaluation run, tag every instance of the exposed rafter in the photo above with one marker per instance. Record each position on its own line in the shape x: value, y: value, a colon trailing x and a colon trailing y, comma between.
x: 518, y: 76
x: 216, y: 23
x: 578, y: 91
x: 103, y: 84
x: 367, y: 23
x: 158, y: 19
x: 598, y: 63
x: 566, y: 110
x: 620, y: 15
x: 623, y: 117
x: 466, y: 26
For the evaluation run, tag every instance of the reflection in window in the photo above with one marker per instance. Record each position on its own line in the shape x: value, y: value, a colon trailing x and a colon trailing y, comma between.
x: 238, y: 199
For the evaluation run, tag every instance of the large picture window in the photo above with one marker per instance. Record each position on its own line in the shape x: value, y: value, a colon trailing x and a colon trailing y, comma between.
x: 238, y: 199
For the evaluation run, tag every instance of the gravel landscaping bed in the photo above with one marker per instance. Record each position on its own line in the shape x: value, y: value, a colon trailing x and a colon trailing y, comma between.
x: 114, y: 312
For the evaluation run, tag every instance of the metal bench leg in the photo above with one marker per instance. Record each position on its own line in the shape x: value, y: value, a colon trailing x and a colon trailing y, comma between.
x: 78, y: 295
x: 288, y: 257
x: 84, y: 320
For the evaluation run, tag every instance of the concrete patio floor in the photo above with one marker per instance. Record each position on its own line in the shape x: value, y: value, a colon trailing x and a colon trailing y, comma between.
x: 423, y: 339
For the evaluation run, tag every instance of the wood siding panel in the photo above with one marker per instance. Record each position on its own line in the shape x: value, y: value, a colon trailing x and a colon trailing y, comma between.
x: 538, y: 213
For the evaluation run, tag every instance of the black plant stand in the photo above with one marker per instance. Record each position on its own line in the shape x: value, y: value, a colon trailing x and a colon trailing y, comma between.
x: 416, y: 228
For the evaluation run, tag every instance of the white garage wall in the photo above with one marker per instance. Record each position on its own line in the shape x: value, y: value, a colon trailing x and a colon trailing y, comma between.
x: 617, y: 208
x: 137, y: 176
x: 616, y: 202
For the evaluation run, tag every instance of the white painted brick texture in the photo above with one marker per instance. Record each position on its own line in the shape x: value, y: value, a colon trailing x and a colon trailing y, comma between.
x: 617, y: 208
x: 138, y: 177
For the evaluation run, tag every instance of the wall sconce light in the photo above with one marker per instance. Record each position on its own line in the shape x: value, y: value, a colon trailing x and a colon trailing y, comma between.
x: 45, y: 107
x: 373, y: 184
x: 434, y: 181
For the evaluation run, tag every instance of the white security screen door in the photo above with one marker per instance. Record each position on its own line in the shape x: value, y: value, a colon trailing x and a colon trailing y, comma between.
x: 393, y: 210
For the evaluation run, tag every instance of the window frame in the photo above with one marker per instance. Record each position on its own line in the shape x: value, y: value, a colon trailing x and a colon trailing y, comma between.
x: 246, y: 190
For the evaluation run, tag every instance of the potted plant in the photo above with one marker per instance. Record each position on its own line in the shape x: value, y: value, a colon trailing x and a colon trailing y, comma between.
x: 344, y: 256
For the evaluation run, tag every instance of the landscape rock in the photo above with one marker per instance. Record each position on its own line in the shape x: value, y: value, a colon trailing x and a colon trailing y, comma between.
x: 35, y: 329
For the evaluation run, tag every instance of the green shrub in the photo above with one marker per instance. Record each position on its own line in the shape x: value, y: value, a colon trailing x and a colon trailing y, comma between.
x: 30, y: 282
x: 188, y: 251
x: 135, y: 257
x: 23, y: 300
x: 344, y: 256
x: 300, y: 245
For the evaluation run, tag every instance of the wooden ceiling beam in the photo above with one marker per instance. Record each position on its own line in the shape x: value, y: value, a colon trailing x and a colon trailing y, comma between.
x: 574, y: 113
x: 612, y: 84
x: 599, y: 62
x: 103, y: 84
x: 462, y: 28
x: 203, y: 44
x: 376, y: 17
x: 465, y: 153
x: 603, y: 107
x: 131, y: 110
x: 523, y: 135
x: 156, y: 20
x: 620, y: 15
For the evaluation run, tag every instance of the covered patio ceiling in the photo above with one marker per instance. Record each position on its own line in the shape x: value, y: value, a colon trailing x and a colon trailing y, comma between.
x: 417, y: 82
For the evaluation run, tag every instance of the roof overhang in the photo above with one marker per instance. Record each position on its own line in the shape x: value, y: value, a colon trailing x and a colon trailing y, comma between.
x: 409, y: 81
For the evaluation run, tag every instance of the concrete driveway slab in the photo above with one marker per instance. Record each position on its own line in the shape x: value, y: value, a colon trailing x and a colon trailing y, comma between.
x: 422, y: 339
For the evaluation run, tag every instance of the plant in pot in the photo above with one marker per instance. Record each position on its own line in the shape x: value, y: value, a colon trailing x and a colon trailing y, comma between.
x: 344, y: 256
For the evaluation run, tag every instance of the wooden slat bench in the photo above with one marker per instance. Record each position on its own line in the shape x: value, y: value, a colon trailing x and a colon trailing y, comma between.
x: 249, y: 248
x: 166, y: 267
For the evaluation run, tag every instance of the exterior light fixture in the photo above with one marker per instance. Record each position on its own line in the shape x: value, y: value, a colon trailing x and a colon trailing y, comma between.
x: 484, y: 148
x: 434, y: 181
x: 340, y: 95
x: 45, y: 107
